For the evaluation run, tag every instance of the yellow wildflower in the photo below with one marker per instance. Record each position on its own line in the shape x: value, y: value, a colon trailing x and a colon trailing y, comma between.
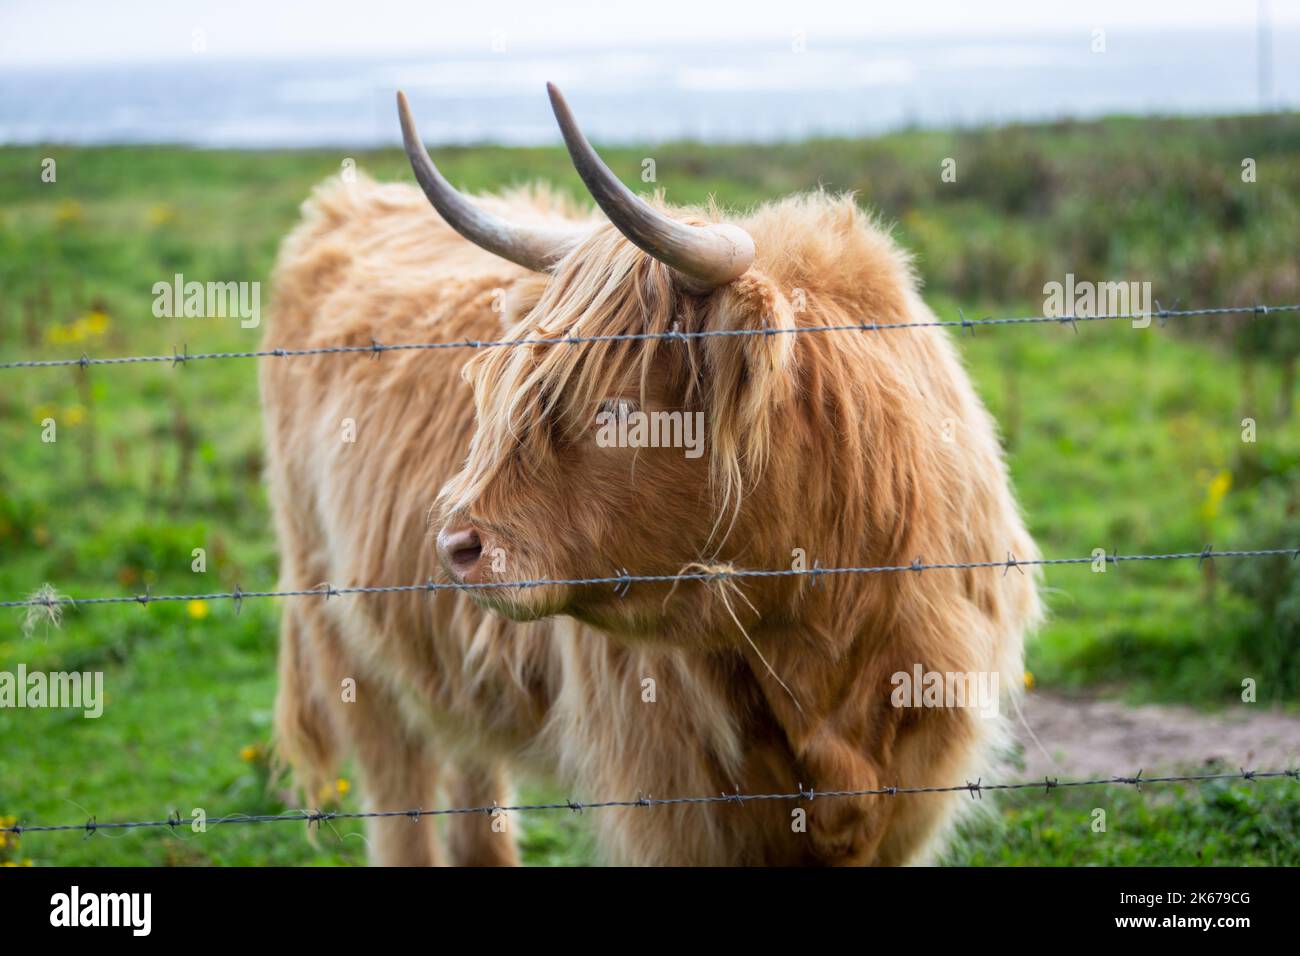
x: 161, y: 213
x: 68, y: 212
x: 97, y: 321
x: 1215, y: 494
x: 198, y: 609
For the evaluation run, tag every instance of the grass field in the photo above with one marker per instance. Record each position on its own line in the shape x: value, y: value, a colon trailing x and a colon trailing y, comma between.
x: 1118, y: 438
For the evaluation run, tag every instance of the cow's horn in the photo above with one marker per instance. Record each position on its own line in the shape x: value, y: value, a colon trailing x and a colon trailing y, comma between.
x: 532, y: 248
x: 704, y: 257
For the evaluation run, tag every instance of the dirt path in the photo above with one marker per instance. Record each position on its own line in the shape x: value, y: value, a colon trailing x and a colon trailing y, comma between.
x: 1106, y: 737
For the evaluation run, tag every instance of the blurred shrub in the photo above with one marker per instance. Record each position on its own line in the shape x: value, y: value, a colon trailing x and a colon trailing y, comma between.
x: 1272, y: 586
x: 1008, y: 169
x: 137, y: 553
x: 22, y: 521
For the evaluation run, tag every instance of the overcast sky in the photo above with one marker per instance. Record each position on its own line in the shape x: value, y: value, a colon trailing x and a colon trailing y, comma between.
x: 57, y: 32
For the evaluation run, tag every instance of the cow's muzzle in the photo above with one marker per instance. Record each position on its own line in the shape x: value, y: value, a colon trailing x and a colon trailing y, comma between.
x: 461, y: 551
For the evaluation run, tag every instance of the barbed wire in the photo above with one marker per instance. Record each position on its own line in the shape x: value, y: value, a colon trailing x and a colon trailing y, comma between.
x: 377, y: 348
x: 622, y: 581
x: 976, y: 791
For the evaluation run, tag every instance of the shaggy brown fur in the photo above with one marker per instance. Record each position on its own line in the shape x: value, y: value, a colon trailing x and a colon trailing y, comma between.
x: 834, y: 443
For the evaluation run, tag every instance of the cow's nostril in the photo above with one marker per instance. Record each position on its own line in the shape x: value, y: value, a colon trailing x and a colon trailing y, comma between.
x: 467, y: 555
x: 460, y: 550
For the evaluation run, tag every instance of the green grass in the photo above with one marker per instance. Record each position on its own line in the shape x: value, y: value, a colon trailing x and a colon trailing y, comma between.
x: 1115, y: 438
x: 1213, y: 824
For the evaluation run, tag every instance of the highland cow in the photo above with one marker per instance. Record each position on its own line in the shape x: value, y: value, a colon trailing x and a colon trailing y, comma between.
x: 465, y: 466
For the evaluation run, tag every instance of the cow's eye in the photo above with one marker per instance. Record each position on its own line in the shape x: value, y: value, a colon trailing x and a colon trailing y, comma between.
x: 617, y: 406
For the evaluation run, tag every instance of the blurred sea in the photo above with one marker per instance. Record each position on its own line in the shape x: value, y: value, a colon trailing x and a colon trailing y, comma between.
x: 751, y: 92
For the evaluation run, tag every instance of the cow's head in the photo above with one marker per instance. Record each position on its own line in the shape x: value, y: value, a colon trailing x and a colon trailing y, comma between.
x: 563, y: 479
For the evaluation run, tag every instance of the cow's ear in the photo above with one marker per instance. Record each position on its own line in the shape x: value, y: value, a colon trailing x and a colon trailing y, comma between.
x: 514, y: 301
x: 758, y: 363
x: 747, y: 377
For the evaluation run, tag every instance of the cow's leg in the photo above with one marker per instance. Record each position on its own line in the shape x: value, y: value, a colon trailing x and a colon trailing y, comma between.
x: 942, y: 748
x: 955, y: 751
x: 398, y: 772
x: 321, y: 687
x: 306, y: 734
x: 480, y: 839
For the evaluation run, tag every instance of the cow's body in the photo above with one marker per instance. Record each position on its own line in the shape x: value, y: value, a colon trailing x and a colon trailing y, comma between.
x: 448, y: 695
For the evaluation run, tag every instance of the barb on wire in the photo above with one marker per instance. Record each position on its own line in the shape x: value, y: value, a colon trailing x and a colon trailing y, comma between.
x: 375, y: 347
x: 622, y: 581
x: 975, y: 789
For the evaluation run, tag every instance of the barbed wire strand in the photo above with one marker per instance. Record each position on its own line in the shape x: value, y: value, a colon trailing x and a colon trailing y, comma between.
x: 376, y: 348
x: 976, y: 790
x: 622, y: 581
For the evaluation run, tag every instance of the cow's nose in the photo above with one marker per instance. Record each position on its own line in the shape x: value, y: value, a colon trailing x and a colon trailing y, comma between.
x: 461, y: 552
